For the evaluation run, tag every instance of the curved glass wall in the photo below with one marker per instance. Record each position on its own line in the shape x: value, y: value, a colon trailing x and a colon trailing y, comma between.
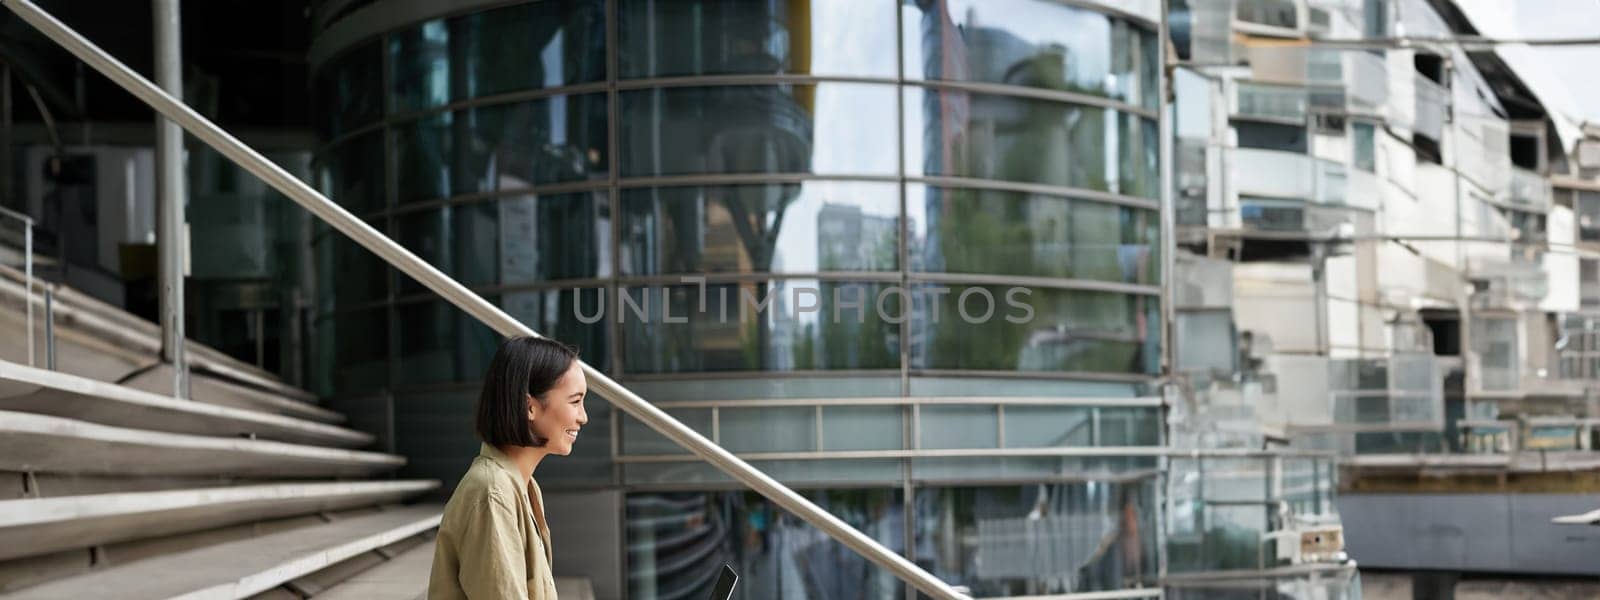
x: 815, y: 199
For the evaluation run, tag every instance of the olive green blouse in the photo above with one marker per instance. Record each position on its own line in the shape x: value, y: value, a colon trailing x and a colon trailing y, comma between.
x: 493, y: 542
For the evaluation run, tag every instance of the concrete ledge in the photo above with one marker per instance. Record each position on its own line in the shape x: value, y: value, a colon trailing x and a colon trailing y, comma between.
x: 40, y: 391
x: 34, y: 526
x: 246, y: 567
x: 158, y: 380
x: 30, y: 442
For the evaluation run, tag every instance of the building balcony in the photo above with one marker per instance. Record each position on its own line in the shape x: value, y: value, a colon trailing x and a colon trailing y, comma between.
x: 1403, y: 392
x: 1265, y: 101
x: 1278, y: 174
x: 1276, y: 18
x: 1433, y: 103
x: 1366, y: 80
x: 1530, y: 190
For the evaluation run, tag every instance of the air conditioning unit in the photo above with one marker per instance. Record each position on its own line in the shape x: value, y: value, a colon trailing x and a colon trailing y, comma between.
x: 1309, y: 544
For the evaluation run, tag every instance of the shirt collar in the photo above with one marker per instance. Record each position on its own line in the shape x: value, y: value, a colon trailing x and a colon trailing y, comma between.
x: 494, y: 454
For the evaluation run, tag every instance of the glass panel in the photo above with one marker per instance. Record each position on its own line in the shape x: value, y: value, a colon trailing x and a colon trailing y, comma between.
x: 1588, y: 210
x: 349, y: 90
x: 677, y: 542
x: 639, y: 439
x: 1206, y: 342
x: 361, y: 359
x: 1060, y: 330
x: 419, y: 60
x: 1130, y: 427
x: 508, y: 146
x: 796, y: 227
x: 831, y: 128
x: 358, y: 275
x: 1494, y: 340
x: 996, y: 232
x: 1045, y: 426
x: 1034, y: 43
x: 769, y: 429
x: 529, y: 46
x: 746, y: 388
x: 959, y: 426
x: 1276, y: 13
x: 439, y: 343
x: 562, y: 314
x: 662, y: 38
x: 1039, y: 539
x: 1365, y: 146
x: 962, y: 134
x: 863, y: 427
x: 353, y: 174
x: 512, y: 240
x: 777, y: 325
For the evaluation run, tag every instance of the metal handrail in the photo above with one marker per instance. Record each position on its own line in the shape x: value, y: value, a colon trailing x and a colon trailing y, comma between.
x: 451, y: 290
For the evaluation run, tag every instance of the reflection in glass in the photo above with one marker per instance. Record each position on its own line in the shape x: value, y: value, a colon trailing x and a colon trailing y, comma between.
x: 669, y: 38
x: 1043, y: 539
x: 524, y: 47
x: 352, y: 174
x: 419, y: 74
x: 782, y: 227
x: 974, y: 327
x: 501, y: 147
x: 512, y: 240
x: 357, y: 276
x: 440, y: 343
x: 529, y: 46
x: 777, y: 325
x: 556, y: 313
x: 955, y: 133
x: 1034, y: 43
x: 678, y: 541
x: 1016, y: 233
x: 349, y: 90
x: 361, y: 349
x: 830, y: 128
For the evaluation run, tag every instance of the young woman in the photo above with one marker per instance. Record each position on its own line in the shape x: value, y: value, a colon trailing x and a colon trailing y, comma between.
x: 493, y: 542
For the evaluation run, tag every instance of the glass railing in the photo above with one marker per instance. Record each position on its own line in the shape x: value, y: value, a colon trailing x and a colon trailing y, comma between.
x: 1433, y: 101
x: 1251, y: 99
x: 1253, y: 513
x: 1530, y: 189
x: 1403, y: 391
x: 1366, y: 80
x: 1291, y: 175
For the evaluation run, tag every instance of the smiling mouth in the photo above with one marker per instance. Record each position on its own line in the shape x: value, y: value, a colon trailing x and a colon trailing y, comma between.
x: 572, y: 433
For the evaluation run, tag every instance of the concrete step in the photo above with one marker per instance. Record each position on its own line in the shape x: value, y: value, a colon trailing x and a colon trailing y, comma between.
x: 30, y: 442
x: 34, y: 526
x: 100, y: 341
x: 405, y: 577
x: 242, y: 568
x: 40, y: 391
x: 157, y: 379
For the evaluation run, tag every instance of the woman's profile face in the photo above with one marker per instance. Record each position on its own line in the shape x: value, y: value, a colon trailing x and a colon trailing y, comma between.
x: 559, y: 417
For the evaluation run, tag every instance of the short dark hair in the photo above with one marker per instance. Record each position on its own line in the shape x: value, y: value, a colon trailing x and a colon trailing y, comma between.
x: 522, y: 366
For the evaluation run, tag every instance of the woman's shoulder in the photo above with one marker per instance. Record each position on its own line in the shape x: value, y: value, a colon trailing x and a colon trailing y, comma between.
x: 485, y: 482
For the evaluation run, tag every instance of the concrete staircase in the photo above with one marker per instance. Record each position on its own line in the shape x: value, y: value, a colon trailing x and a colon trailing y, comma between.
x: 110, y: 487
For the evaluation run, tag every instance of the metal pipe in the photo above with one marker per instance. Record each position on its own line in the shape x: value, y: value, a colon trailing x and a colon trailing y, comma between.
x: 171, y: 238
x: 49, y: 328
x: 27, y: 270
x: 461, y: 297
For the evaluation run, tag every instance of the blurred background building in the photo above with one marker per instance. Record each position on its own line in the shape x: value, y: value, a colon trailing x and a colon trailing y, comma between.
x: 776, y: 220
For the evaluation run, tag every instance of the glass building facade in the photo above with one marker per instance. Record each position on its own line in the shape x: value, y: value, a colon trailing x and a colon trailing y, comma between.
x: 903, y: 256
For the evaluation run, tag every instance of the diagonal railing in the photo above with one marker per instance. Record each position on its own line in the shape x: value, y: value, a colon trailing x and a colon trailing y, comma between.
x: 463, y: 298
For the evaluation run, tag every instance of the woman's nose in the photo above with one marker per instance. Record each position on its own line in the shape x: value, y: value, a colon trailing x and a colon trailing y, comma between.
x: 583, y: 417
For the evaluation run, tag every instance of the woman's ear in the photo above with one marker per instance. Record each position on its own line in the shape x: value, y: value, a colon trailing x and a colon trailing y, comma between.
x: 533, y: 406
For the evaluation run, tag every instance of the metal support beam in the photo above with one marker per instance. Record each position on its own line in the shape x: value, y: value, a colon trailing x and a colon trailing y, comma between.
x: 171, y: 238
x: 463, y: 298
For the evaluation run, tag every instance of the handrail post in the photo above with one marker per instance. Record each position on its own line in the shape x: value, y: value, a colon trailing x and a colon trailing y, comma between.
x: 171, y: 241
x: 465, y: 299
